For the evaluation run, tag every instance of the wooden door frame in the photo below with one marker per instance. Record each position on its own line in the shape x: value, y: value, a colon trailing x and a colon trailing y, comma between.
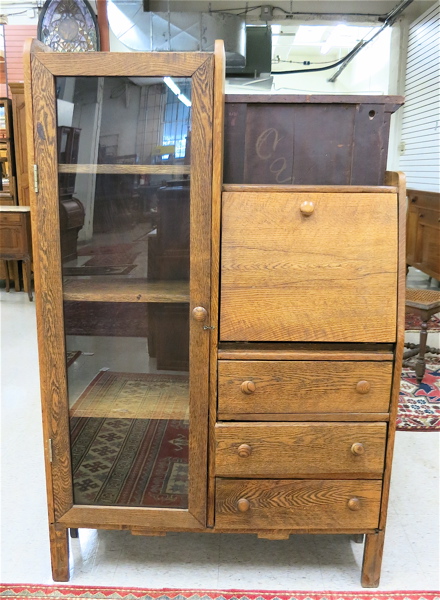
x: 43, y: 65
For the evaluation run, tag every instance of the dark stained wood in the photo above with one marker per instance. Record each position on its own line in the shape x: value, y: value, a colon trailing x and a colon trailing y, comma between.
x: 290, y: 504
x: 307, y: 139
x: 303, y: 386
x: 274, y: 289
x: 423, y: 232
x: 20, y: 143
x: 15, y: 240
x: 307, y: 450
x: 372, y: 559
x: 392, y: 103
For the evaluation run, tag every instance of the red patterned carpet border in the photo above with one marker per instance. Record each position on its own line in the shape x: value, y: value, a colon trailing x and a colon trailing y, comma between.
x: 419, y: 405
x: 413, y: 323
x: 56, y: 592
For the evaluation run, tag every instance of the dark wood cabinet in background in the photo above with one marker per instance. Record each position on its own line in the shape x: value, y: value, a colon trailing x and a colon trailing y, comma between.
x: 423, y: 232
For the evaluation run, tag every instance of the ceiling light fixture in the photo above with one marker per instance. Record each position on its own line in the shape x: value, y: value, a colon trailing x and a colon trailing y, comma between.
x: 176, y: 90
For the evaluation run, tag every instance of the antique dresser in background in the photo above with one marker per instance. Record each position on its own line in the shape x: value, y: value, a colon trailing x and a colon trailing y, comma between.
x: 241, y: 340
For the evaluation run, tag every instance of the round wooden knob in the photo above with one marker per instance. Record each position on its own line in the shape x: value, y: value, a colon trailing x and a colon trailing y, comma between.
x: 199, y: 313
x: 307, y: 208
x: 248, y: 387
x: 363, y: 387
x: 243, y: 505
x: 357, y: 449
x: 244, y: 450
x: 354, y: 504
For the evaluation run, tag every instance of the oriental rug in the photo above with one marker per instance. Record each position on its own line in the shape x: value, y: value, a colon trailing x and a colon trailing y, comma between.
x: 71, y: 356
x: 109, y: 249
x: 419, y: 404
x: 66, y: 592
x: 129, y: 436
x: 87, y: 271
x: 134, y: 396
x: 116, y: 319
x: 413, y: 323
x: 112, y: 260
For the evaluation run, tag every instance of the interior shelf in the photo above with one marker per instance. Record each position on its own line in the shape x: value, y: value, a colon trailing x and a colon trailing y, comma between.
x: 126, y: 290
x: 112, y: 169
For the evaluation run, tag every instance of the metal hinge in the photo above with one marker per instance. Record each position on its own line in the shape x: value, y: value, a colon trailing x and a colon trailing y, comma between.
x: 49, y: 446
x: 208, y: 327
x: 36, y: 179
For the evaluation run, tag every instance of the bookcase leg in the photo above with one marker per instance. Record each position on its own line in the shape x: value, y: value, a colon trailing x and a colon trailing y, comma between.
x: 59, y: 553
x: 371, y: 565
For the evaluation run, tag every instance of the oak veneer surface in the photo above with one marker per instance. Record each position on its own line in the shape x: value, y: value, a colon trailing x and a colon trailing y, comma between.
x: 304, y: 386
x: 300, y: 449
x: 289, y: 504
x: 329, y: 276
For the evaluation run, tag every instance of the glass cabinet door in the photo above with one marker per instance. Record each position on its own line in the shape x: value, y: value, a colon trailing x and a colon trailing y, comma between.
x: 133, y: 161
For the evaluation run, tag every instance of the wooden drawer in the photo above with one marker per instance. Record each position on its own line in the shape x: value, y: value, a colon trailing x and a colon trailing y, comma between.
x: 286, y: 504
x: 9, y: 218
x: 330, y: 276
x: 300, y: 449
x: 259, y: 387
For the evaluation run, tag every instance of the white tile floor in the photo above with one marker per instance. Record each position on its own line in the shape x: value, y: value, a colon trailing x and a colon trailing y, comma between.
x: 116, y: 558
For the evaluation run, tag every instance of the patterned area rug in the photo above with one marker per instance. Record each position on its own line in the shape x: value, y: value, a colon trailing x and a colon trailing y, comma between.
x: 65, y: 592
x: 71, y: 356
x: 126, y: 319
x: 134, y: 396
x: 85, y: 271
x: 419, y: 405
x: 130, y: 462
x: 129, y: 434
x: 110, y: 249
x: 413, y: 323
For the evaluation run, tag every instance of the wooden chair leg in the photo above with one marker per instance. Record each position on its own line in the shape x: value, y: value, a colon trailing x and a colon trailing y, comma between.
x: 420, y: 362
x: 16, y: 274
x: 27, y: 278
x: 372, y: 562
x: 59, y: 553
x: 6, y: 268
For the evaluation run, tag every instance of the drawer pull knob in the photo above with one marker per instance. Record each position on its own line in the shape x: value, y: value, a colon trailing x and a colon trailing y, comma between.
x: 243, y: 505
x: 354, y: 504
x: 307, y: 208
x: 363, y: 387
x: 199, y: 313
x: 248, y: 387
x: 357, y: 449
x: 244, y: 450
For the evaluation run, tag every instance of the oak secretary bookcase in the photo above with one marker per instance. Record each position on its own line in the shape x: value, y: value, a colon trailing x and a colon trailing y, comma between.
x: 213, y: 358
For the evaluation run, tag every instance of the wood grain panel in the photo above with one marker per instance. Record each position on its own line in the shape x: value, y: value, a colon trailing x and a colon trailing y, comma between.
x: 111, y: 289
x: 217, y: 178
x: 115, y: 64
x: 325, y: 277
x: 200, y: 281
x: 48, y: 285
x: 304, y: 386
x: 300, y: 449
x: 287, y: 504
x: 110, y: 169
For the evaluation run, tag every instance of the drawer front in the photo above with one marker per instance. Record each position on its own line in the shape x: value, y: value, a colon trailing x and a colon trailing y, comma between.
x: 300, y: 449
x: 9, y: 218
x: 286, y: 504
x: 286, y: 387
x: 317, y: 267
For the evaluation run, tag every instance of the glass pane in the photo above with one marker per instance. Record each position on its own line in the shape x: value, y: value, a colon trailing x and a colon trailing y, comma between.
x: 124, y: 193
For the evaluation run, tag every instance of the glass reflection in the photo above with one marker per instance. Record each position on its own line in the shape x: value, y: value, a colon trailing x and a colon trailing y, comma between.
x: 124, y: 192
